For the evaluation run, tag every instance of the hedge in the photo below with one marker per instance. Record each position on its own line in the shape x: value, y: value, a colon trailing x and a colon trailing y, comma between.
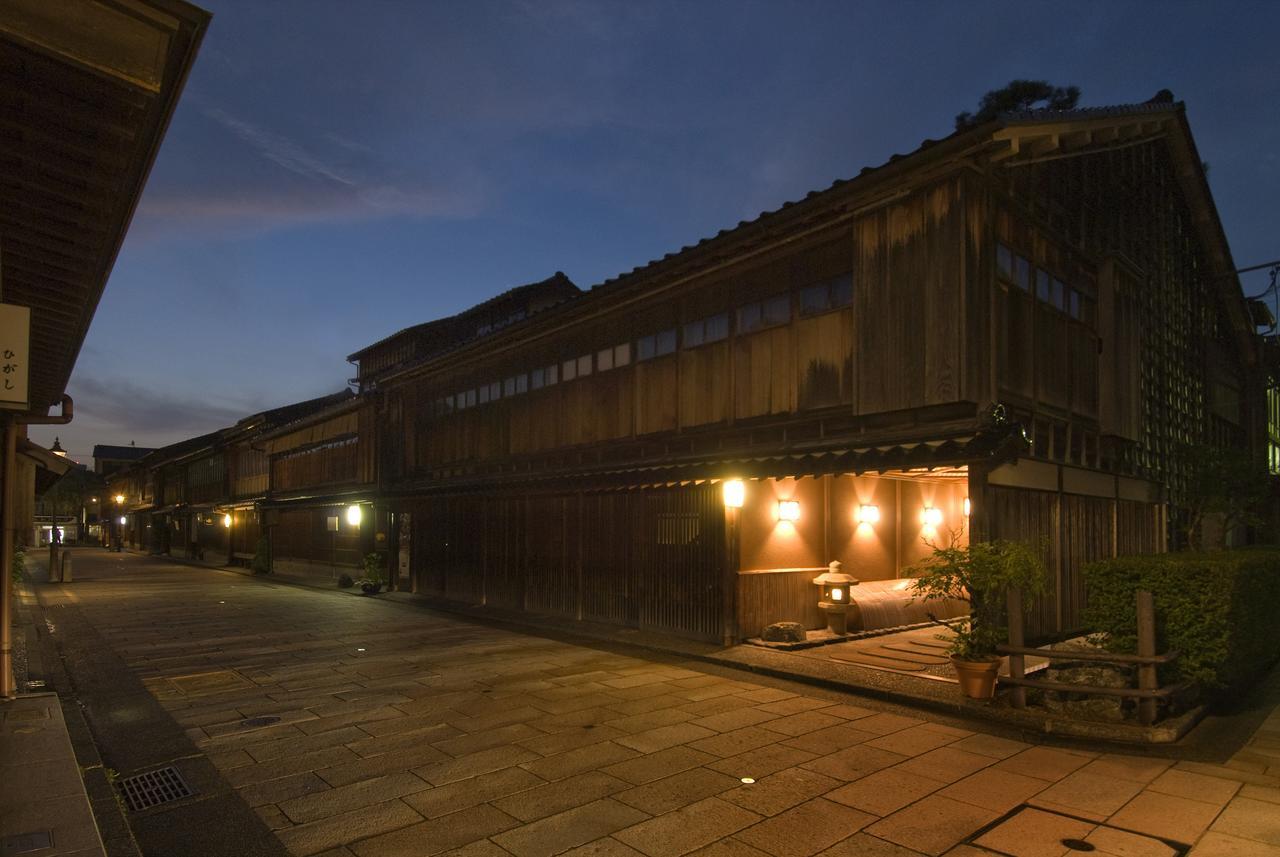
x: 1218, y: 610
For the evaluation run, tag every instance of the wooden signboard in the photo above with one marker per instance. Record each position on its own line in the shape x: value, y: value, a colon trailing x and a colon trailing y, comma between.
x: 15, y: 347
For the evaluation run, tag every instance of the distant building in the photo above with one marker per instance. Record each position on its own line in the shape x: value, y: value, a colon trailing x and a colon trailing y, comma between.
x: 110, y: 459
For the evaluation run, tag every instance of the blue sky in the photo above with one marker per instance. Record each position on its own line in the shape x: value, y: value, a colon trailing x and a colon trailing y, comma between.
x: 336, y: 171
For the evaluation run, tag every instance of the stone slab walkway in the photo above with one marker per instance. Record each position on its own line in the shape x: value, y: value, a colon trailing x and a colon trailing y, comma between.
x: 368, y: 727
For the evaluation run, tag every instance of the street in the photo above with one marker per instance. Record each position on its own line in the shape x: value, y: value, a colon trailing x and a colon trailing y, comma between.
x: 316, y: 722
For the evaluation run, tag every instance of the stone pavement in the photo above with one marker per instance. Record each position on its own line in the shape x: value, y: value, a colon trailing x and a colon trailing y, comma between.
x: 358, y: 726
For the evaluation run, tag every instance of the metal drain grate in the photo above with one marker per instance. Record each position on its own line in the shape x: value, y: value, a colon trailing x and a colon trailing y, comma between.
x: 153, y: 788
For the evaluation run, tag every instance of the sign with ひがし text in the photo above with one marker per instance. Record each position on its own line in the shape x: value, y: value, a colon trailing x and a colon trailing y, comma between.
x: 15, y: 348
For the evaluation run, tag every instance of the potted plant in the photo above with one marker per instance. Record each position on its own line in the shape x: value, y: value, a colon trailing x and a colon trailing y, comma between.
x: 981, y: 574
x: 373, y: 580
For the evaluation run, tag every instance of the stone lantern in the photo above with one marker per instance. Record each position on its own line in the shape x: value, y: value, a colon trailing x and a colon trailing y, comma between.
x: 834, y: 600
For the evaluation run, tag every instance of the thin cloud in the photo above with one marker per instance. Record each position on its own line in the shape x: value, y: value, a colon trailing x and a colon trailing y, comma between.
x: 280, y: 149
x: 125, y: 407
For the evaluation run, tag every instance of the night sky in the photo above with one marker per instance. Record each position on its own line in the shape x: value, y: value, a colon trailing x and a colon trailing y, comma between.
x: 336, y: 171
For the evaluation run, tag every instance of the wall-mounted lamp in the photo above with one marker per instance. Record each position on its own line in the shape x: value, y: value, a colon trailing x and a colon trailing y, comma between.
x: 868, y: 514
x: 735, y: 493
x: 123, y: 520
x: 119, y: 499
x: 967, y: 507
x: 932, y: 516
x: 226, y: 521
x: 789, y: 510
x: 354, y: 515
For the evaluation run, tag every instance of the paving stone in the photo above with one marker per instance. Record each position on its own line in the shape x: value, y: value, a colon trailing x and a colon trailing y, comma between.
x: 313, y: 807
x: 677, y: 790
x: 932, y: 825
x: 570, y: 739
x: 1135, y: 768
x: 794, y: 725
x: 854, y: 763
x: 649, y: 720
x: 1122, y: 843
x: 665, y: 737
x: 913, y: 741
x: 781, y: 791
x: 1195, y: 786
x: 483, y: 762
x: 577, y: 761
x: 1044, y: 763
x: 305, y: 744
x: 385, y: 763
x: 727, y: 721
x: 641, y: 706
x: 465, y: 745
x: 348, y: 718
x: 552, y: 798
x: 347, y: 827
x: 272, y: 817
x: 833, y: 738
x: 446, y: 799
x: 731, y: 847
x: 990, y: 745
x: 793, y: 705
x: 282, y: 789
x: 736, y: 742
x: 865, y: 845
x: 395, y: 742
x: 569, y: 829
x: 884, y: 724
x: 884, y: 792
x: 1264, y: 793
x: 1214, y: 844
x: 1250, y: 819
x: 806, y: 829
x: 606, y: 847
x: 688, y: 828
x: 1034, y: 833
x: 762, y: 762
x: 718, y: 705
x: 283, y: 767
x: 438, y: 835
x: 1167, y: 816
x: 995, y: 789
x: 946, y: 764
x: 655, y: 766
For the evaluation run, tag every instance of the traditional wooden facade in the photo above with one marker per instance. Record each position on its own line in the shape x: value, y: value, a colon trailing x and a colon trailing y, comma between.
x: 1006, y: 333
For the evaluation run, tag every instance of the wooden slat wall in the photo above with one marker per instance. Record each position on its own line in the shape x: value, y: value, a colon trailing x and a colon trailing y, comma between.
x: 1076, y: 530
x: 650, y: 559
x: 303, y: 534
x: 778, y: 596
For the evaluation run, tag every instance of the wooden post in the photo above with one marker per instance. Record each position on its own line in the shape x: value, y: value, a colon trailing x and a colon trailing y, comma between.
x: 1146, y: 648
x: 729, y: 586
x: 1017, y: 662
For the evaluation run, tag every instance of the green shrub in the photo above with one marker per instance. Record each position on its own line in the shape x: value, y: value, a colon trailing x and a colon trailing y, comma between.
x: 1216, y: 609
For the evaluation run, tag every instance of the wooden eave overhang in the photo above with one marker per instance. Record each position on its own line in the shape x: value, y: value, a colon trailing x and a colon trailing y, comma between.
x: 87, y: 89
x: 337, y: 410
x: 943, y: 454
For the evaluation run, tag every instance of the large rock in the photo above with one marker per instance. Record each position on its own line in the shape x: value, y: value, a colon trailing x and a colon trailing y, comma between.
x: 784, y: 632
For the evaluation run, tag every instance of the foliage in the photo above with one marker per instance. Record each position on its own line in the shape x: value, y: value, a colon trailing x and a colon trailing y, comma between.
x: 1019, y: 95
x: 345, y: 581
x: 70, y: 494
x: 1217, y: 610
x: 19, y: 565
x: 1229, y: 484
x: 982, y: 574
x: 373, y: 572
x: 261, y: 563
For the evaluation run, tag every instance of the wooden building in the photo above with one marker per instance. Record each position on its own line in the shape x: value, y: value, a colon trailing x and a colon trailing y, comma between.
x: 1007, y: 333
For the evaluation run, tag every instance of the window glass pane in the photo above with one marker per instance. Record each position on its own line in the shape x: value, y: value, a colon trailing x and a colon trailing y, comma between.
x: 553, y: 374
x: 535, y: 378
x: 509, y: 387
x: 604, y: 359
x: 717, y: 327
x: 814, y: 299
x: 584, y: 365
x: 645, y: 348
x: 842, y: 290
x: 448, y: 403
x: 495, y: 391
x: 1059, y: 294
x: 569, y: 370
x: 777, y: 310
x: 471, y: 398
x: 622, y: 354
x: 522, y: 383
x: 1074, y: 308
x: 749, y: 317
x: 693, y: 334
x: 1042, y: 286
x: 1004, y: 262
x: 1023, y: 273
x: 484, y: 394
x: 666, y: 342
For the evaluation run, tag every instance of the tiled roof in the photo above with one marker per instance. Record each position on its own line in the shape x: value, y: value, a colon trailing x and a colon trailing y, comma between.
x: 120, y: 453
